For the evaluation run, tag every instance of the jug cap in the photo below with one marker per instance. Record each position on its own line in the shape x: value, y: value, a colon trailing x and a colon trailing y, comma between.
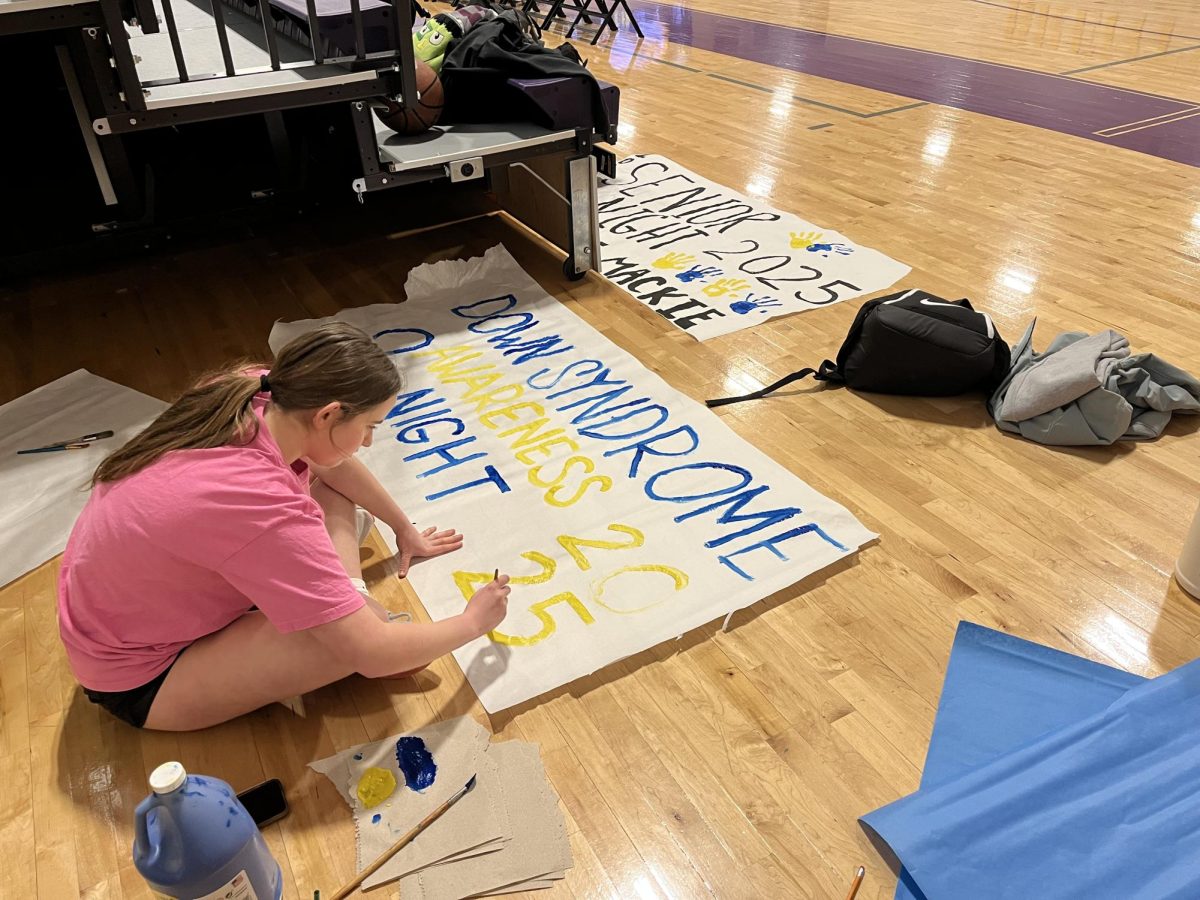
x: 170, y: 776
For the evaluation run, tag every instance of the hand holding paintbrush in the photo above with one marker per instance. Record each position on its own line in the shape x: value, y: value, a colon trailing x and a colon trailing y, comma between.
x: 488, y: 605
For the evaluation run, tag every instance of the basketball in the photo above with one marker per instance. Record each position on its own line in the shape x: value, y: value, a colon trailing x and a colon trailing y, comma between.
x: 428, y: 108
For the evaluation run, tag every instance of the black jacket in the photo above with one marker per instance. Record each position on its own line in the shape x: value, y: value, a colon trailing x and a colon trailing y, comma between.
x: 478, y: 65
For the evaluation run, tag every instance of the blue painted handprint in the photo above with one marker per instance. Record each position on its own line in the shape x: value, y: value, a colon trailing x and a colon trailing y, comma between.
x: 697, y: 273
x: 826, y: 249
x: 749, y: 304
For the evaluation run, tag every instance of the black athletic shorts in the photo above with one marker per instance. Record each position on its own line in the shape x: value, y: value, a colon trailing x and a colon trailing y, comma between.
x: 133, y: 705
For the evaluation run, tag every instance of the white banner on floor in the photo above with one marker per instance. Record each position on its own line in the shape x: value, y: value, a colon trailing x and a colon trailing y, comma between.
x: 43, y: 493
x: 713, y: 261
x: 625, y: 512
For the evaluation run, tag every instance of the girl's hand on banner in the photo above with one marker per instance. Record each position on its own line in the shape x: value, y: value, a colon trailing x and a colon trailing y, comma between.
x: 425, y: 544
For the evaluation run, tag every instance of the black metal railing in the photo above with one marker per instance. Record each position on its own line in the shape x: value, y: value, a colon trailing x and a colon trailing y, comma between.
x: 218, y: 14
x: 114, y: 24
x: 176, y: 47
x: 314, y: 26
x: 399, y: 57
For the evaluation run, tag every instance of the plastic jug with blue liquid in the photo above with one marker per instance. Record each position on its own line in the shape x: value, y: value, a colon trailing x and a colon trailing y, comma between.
x: 193, y: 840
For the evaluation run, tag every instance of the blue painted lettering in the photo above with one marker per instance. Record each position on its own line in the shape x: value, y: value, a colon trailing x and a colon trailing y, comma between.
x: 655, y: 493
x: 443, y: 451
x: 427, y: 339
x: 647, y: 446
x: 490, y: 476
x: 538, y: 382
x: 769, y: 544
x: 600, y: 430
x: 491, y: 307
x: 420, y: 430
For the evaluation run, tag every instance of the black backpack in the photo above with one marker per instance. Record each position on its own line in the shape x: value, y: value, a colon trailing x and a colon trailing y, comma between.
x: 911, y: 343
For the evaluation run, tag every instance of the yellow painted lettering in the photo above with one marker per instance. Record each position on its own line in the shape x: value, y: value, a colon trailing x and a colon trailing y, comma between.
x: 511, y: 413
x: 506, y: 394
x: 529, y: 433
x: 553, y: 499
x: 449, y: 365
x: 679, y: 579
x: 469, y: 582
x: 474, y: 383
x: 524, y: 456
x: 549, y: 626
x: 573, y: 544
x: 446, y: 352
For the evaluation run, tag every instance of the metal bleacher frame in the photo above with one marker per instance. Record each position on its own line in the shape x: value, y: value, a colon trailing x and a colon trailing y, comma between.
x: 115, y: 91
x: 129, y: 103
x: 111, y: 98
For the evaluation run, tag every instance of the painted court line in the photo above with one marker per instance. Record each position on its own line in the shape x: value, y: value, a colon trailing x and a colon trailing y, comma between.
x: 749, y: 84
x: 653, y: 5
x: 1132, y: 59
x: 1044, y: 100
x: 1151, y: 119
x: 895, y: 109
x: 796, y: 97
x: 673, y: 65
x: 1180, y: 118
x: 1031, y: 12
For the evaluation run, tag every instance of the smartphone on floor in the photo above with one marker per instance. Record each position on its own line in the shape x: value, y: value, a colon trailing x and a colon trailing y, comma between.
x: 265, y: 802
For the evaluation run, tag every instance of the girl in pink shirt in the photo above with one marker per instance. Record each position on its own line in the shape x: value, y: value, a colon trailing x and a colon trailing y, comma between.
x: 215, y: 568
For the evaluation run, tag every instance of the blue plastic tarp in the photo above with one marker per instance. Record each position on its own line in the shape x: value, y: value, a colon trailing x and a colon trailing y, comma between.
x: 1051, y: 776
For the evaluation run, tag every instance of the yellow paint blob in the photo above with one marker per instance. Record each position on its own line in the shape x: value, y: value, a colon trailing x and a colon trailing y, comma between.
x: 375, y: 786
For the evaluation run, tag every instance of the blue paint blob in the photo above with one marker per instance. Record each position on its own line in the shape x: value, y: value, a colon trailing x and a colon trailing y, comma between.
x: 416, y: 762
x: 375, y: 819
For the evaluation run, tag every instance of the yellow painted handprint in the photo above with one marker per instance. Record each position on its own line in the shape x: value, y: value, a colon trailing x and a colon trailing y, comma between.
x: 805, y: 239
x: 673, y: 261
x: 723, y: 286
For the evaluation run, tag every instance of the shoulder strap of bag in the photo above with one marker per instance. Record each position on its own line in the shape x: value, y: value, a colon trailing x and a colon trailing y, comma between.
x: 827, y: 372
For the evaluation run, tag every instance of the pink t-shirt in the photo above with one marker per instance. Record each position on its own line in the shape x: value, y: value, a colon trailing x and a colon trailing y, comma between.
x: 186, y: 546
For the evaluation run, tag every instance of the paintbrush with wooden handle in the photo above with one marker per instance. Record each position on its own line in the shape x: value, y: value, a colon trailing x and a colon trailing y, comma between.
x: 408, y: 838
x: 857, y: 883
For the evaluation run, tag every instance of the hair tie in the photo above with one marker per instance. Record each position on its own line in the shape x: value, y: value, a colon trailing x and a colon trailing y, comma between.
x: 263, y: 384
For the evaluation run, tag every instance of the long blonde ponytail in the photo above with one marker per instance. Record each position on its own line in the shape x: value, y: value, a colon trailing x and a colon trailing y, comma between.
x: 333, y: 363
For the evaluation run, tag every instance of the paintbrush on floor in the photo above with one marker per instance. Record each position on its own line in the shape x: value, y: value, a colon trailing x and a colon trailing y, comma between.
x: 391, y: 851
x: 857, y: 883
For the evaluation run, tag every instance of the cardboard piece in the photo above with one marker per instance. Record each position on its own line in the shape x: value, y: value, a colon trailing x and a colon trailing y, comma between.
x: 44, y: 493
x: 476, y: 825
x: 456, y: 747
x: 536, y: 884
x: 539, y: 847
x: 505, y: 836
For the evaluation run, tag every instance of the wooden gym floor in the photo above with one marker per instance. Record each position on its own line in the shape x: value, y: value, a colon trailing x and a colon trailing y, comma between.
x: 725, y: 765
